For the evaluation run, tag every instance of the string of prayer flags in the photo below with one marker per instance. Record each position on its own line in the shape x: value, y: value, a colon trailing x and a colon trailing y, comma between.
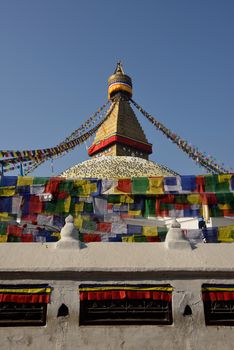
x: 30, y: 159
x: 24, y: 233
x: 199, y: 157
x: 179, y: 196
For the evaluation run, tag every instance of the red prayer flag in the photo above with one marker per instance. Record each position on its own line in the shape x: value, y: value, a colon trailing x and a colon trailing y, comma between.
x: 53, y: 185
x: 125, y: 185
x: 200, y: 184
x: 104, y: 226
x: 91, y: 237
x: 35, y: 205
x: 14, y: 230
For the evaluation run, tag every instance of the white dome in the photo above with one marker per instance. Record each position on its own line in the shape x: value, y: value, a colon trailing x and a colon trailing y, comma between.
x: 115, y: 167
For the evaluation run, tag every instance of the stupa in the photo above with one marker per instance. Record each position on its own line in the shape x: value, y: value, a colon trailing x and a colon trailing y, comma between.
x: 120, y: 148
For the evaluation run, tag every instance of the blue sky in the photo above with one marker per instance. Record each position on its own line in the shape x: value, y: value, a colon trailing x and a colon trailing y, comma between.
x: 56, y: 57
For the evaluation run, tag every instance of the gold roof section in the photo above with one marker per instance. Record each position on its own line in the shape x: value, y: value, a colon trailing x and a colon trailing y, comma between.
x: 122, y: 121
x: 121, y: 134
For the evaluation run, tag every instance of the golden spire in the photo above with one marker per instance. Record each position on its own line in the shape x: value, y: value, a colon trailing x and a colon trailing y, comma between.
x: 121, y: 133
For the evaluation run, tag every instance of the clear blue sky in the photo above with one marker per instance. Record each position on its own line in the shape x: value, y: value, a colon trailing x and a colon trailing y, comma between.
x: 56, y: 57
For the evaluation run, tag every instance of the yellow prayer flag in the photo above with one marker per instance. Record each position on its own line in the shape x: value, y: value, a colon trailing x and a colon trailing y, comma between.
x: 224, y: 206
x: 5, y: 216
x: 150, y: 231
x: 128, y: 239
x: 7, y: 191
x: 224, y: 177
x: 78, y: 221
x: 3, y: 238
x: 78, y: 183
x: 134, y: 212
x: 194, y: 198
x: 226, y: 233
x: 156, y: 185
x: 93, y: 187
x: 56, y: 234
x: 24, y: 180
x: 126, y: 199
x: 67, y: 203
x: 79, y: 207
x: 88, y: 188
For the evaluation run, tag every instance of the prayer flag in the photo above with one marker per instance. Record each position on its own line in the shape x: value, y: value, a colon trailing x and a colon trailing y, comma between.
x: 150, y: 207
x: 8, y: 181
x: 149, y: 231
x: 188, y: 183
x: 24, y: 181
x: 172, y: 184
x: 7, y: 191
x: 124, y: 185
x: 226, y: 234
x: 156, y: 185
x: 140, y: 185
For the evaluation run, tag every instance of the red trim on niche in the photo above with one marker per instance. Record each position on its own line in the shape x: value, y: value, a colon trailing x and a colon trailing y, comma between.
x: 25, y: 298
x: 124, y: 294
x: 217, y: 296
x: 120, y: 139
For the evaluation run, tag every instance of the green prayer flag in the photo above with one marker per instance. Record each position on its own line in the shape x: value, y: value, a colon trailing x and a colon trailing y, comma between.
x: 66, y: 186
x: 223, y: 186
x: 3, y: 228
x: 41, y: 180
x: 88, y: 207
x: 140, y: 238
x: 113, y: 198
x: 211, y: 182
x: 12, y: 238
x: 59, y: 206
x: 50, y: 207
x: 140, y: 185
x: 180, y: 199
x: 215, y: 212
x: 89, y: 225
x: 150, y: 207
x: 225, y: 198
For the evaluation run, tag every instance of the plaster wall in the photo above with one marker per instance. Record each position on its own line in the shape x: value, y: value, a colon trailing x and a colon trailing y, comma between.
x: 65, y: 269
x: 60, y: 333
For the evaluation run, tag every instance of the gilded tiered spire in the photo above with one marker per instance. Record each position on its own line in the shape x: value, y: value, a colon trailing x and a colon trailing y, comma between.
x: 121, y: 134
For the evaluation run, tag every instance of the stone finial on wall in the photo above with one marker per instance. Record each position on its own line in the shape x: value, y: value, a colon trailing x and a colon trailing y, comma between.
x: 69, y: 235
x: 175, y: 238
